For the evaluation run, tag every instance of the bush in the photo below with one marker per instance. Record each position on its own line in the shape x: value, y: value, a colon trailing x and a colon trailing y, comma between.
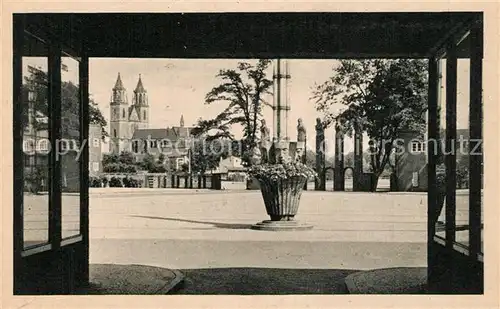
x: 133, y: 183
x: 129, y: 169
x: 129, y: 182
x: 120, y: 168
x: 95, y: 182
x: 115, y: 182
x: 111, y: 168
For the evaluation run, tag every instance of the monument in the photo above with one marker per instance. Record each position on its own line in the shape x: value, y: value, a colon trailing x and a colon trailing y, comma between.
x: 301, y: 141
x: 320, y: 184
x: 338, y: 176
x: 265, y: 141
x: 281, y: 192
x: 358, y: 157
x: 281, y: 107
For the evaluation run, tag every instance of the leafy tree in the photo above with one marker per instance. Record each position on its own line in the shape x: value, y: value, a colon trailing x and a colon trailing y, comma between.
x: 311, y: 158
x: 126, y: 157
x: 161, y: 158
x: 206, y: 155
x: 110, y: 158
x: 380, y: 97
x: 122, y: 163
x: 148, y: 162
x: 243, y: 90
x: 36, y: 83
x: 349, y: 159
x: 184, y: 167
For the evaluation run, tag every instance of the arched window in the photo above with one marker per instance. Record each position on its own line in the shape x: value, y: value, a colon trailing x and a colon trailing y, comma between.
x: 123, y: 113
x: 114, y: 132
x: 144, y: 118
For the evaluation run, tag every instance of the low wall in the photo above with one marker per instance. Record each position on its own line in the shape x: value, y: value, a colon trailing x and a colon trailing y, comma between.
x: 161, y: 180
x: 233, y: 185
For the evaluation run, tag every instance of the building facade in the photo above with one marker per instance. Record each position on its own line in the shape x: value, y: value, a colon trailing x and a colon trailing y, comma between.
x: 130, y: 130
x: 125, y: 119
x: 412, y: 159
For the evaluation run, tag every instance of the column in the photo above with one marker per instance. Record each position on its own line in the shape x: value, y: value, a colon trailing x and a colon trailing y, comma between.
x: 281, y: 107
x: 358, y: 159
x: 338, y: 177
x: 476, y: 136
x: 320, y: 183
x: 450, y: 143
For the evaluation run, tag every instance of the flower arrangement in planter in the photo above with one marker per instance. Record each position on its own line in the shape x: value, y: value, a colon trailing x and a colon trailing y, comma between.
x: 281, y: 186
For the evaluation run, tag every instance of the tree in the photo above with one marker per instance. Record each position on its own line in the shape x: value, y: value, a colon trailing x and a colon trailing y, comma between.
x: 380, y: 97
x: 110, y: 159
x: 349, y: 159
x: 243, y: 90
x: 37, y: 83
x: 148, y: 163
x: 96, y: 117
x: 161, y: 158
x: 126, y: 157
x: 205, y: 155
x: 122, y: 163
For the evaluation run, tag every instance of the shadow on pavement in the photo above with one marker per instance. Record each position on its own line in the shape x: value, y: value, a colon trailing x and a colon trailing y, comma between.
x: 230, y: 226
x: 263, y: 281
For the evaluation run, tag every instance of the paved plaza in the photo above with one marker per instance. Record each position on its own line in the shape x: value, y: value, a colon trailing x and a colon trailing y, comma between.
x: 206, y: 234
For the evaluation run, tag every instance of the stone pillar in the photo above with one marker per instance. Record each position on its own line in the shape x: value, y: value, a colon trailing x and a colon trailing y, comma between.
x: 358, y: 160
x: 320, y: 184
x: 281, y: 107
x: 304, y: 159
x: 338, y: 176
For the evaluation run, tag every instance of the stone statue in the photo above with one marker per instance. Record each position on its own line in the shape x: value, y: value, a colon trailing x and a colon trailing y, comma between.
x: 265, y: 140
x: 282, y: 155
x: 264, y: 132
x: 320, y: 156
x: 256, y: 156
x: 320, y: 128
x: 301, y: 131
x: 301, y: 141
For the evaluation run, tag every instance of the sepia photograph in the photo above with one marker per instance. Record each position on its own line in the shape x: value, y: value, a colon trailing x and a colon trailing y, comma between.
x: 248, y: 153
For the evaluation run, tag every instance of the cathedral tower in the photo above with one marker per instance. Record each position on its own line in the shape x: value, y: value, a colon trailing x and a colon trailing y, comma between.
x: 141, y: 105
x: 119, y: 128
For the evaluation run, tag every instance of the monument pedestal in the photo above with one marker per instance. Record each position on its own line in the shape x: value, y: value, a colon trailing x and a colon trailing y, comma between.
x: 269, y: 225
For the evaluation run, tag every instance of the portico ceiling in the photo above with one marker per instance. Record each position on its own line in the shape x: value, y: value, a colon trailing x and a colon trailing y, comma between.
x: 254, y: 35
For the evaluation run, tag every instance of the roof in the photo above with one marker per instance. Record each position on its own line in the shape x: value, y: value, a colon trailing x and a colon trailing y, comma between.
x: 119, y: 83
x: 153, y: 134
x: 300, y: 35
x: 133, y: 114
x: 139, y: 88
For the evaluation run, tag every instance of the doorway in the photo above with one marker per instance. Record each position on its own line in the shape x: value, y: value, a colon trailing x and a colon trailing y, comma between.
x: 51, y: 53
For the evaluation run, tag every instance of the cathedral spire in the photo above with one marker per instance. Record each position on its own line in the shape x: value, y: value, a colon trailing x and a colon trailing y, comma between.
x: 182, y: 121
x: 139, y: 88
x: 119, y: 83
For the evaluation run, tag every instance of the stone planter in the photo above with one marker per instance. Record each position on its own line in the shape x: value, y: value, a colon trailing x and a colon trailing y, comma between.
x: 282, y: 197
x: 252, y: 184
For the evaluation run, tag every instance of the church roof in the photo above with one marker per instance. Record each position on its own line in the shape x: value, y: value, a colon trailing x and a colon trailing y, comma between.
x: 139, y: 88
x: 119, y: 83
x: 154, y: 134
x: 167, y: 133
x: 133, y: 115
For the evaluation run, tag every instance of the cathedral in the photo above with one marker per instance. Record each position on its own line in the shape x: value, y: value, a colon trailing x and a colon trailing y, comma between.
x: 130, y: 131
x: 125, y: 119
